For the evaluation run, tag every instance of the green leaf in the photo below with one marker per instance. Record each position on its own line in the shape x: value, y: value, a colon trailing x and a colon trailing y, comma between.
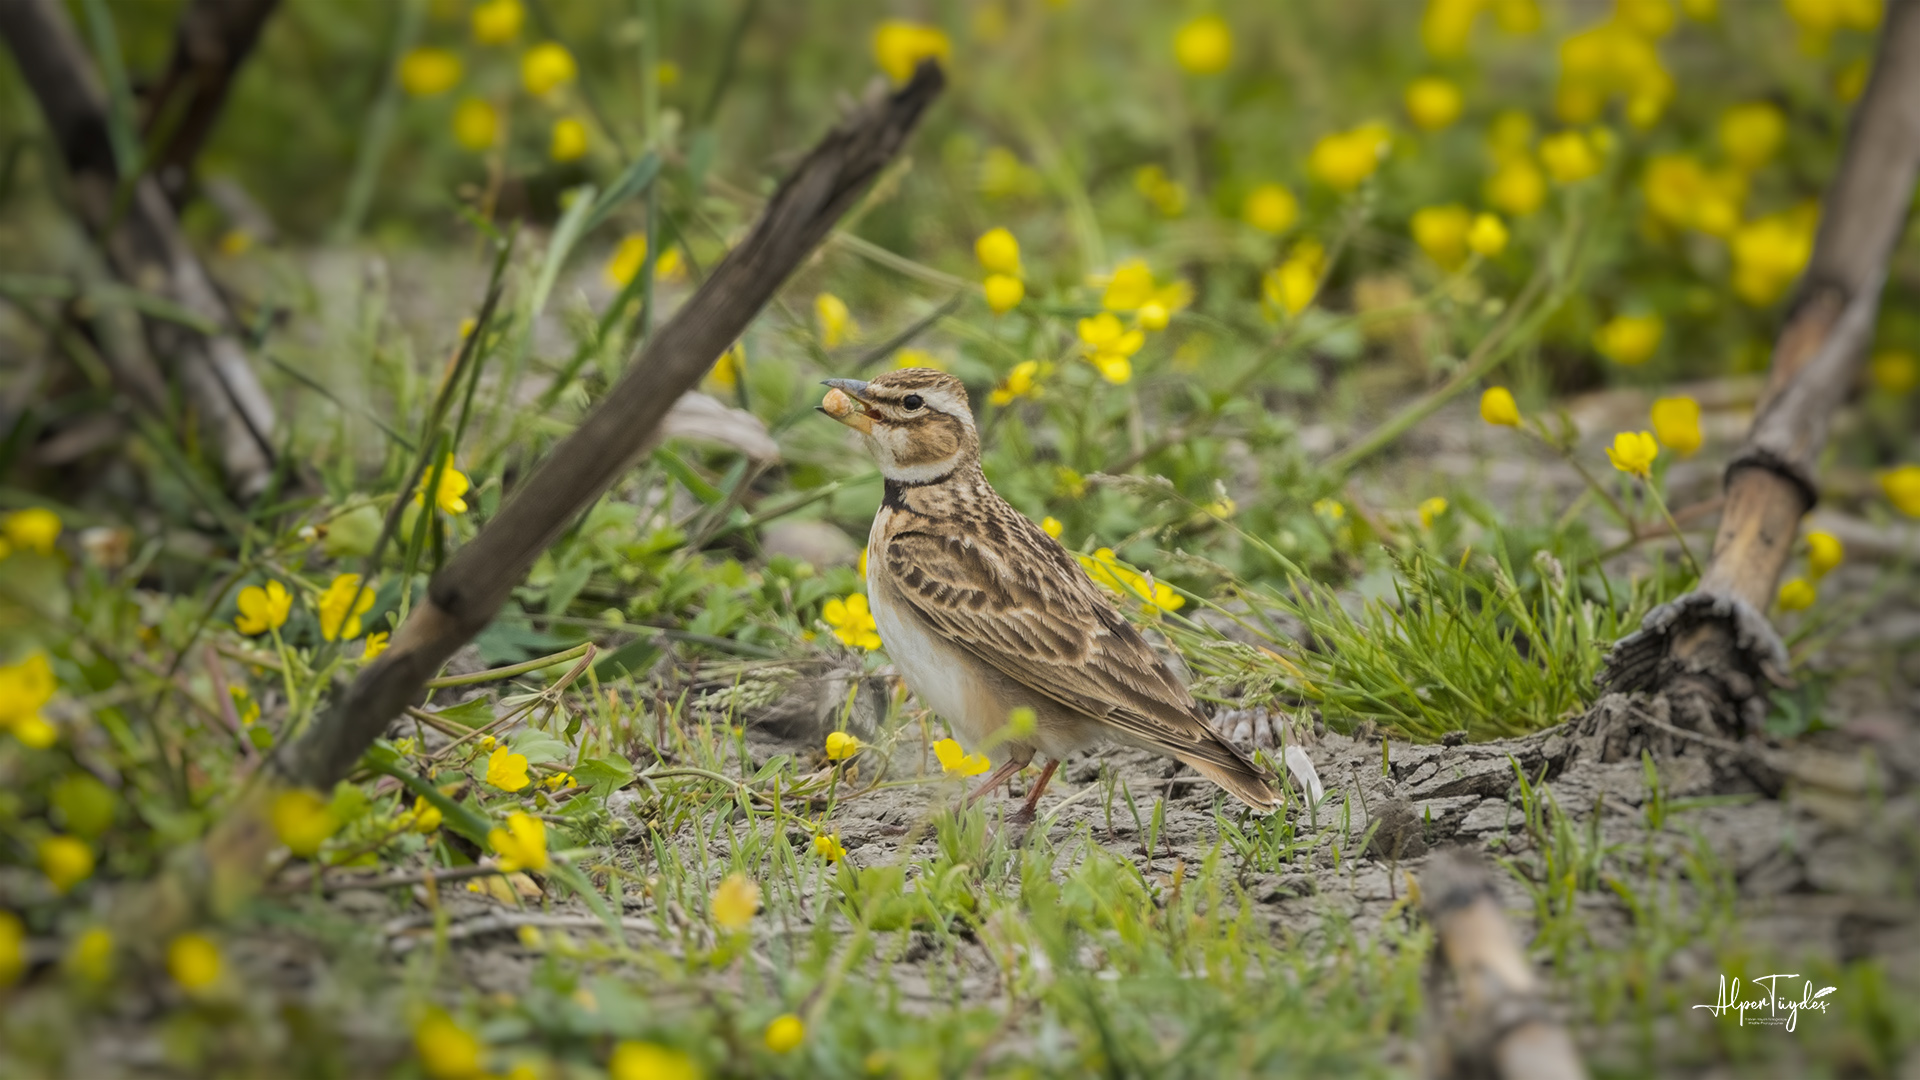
x: 604, y: 775
x: 477, y: 713
x: 539, y: 747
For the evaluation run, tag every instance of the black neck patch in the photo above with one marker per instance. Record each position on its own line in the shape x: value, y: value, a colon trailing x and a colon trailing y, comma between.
x: 894, y: 494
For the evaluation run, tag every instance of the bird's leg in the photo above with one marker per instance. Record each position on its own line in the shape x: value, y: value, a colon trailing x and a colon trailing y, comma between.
x: 995, y: 778
x: 1026, y: 811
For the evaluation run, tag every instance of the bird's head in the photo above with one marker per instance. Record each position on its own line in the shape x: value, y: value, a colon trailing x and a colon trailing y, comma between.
x: 915, y: 421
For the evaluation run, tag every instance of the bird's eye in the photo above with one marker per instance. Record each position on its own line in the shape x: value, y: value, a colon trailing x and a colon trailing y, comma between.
x: 912, y: 402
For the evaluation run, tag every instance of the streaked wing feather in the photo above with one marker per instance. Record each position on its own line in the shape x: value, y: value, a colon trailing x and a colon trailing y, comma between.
x: 1038, y: 619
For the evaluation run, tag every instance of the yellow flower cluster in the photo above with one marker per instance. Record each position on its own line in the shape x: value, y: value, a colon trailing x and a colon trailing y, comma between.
x: 1109, y: 344
x: 1344, y: 159
x: 1107, y: 572
x: 344, y: 601
x: 1633, y: 452
x: 1271, y: 208
x: 1617, y: 59
x: 1290, y: 287
x: 836, y: 320
x: 1433, y: 103
x: 1497, y: 407
x: 1022, y: 381
x: 1902, y: 486
x: 1676, y: 423
x: 26, y: 686
x: 34, y: 529
x: 899, y: 47
x: 1516, y: 186
x: 999, y: 255
x: 522, y: 845
x: 507, y: 770
x: 955, y: 761
x: 852, y: 621
x: 1769, y: 253
x: 1629, y: 340
x: 1203, y: 45
x: 735, y: 902
x: 302, y: 820
x: 1448, y: 233
x: 841, y: 746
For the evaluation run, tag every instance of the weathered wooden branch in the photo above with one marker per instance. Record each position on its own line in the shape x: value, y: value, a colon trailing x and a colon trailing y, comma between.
x: 143, y: 245
x: 464, y: 597
x: 213, y: 39
x: 1713, y: 651
x: 1507, y: 1030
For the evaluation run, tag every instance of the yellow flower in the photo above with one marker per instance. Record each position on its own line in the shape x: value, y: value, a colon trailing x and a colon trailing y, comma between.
x: 547, y: 67
x: 1752, y: 133
x: 1488, y: 236
x: 446, y: 1050
x: 454, y: 485
x: 1902, y: 486
x: 1329, y: 509
x: 1004, y: 292
x: 1292, y: 285
x: 1676, y: 422
x: 1446, y: 26
x: 957, y: 761
x: 1344, y: 159
x: 13, y: 952
x: 785, y: 1033
x: 1113, y: 367
x: 1682, y: 193
x: 1895, y: 371
x: 1633, y: 452
x: 668, y: 73
x: 1797, y: 594
x: 342, y: 605
x: 1022, y: 381
x: 375, y: 645
x: 303, y: 821
x: 1769, y: 252
x: 1051, y: 526
x: 1153, y: 315
x: 1430, y: 509
x: 66, y: 860
x: 836, y: 322
x: 24, y: 688
x: 998, y: 252
x: 827, y: 846
x: 90, y: 957
x: 522, y: 845
x: 1130, y: 286
x: 1204, y: 45
x: 1629, y: 340
x: 852, y: 621
x: 735, y: 902
x: 476, y: 124
x: 1824, y: 552
x: 487, y: 742
x: 1433, y: 103
x: 1106, y: 571
x: 899, y: 47
x: 426, y: 817
x: 1498, y: 407
x: 507, y: 770
x: 1818, y: 19
x: 1441, y: 232
x: 263, y: 609
x: 627, y: 259
x: 194, y: 962
x: 33, y: 529
x: 1569, y: 157
x: 650, y: 1061
x: 841, y: 746
x: 1517, y: 187
x: 429, y: 72
x: 1271, y: 208
x: 497, y: 22
x: 569, y: 141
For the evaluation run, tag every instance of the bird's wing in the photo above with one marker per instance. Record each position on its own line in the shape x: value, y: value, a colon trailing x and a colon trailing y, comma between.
x: 1027, y: 608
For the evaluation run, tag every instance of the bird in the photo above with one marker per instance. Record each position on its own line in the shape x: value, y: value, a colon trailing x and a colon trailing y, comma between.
x: 984, y: 614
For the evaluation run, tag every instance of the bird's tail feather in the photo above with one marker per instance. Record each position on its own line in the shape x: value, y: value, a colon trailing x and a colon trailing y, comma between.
x: 1241, y: 781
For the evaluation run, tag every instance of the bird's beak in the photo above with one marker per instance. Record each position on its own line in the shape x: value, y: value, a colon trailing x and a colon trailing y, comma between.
x: 844, y: 403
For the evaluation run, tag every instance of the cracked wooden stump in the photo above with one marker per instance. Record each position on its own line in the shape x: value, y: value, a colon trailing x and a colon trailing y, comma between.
x: 133, y: 222
x: 464, y: 597
x: 1712, y: 653
x: 1504, y: 1027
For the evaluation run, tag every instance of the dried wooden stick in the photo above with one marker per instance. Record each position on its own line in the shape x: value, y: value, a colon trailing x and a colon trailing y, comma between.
x: 1713, y: 651
x: 211, y: 41
x: 1507, y: 1024
x: 145, y: 247
x: 464, y: 597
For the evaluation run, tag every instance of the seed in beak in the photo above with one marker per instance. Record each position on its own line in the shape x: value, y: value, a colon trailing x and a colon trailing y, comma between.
x: 836, y: 404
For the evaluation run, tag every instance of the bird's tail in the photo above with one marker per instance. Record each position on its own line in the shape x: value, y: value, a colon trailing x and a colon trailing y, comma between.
x: 1240, y: 778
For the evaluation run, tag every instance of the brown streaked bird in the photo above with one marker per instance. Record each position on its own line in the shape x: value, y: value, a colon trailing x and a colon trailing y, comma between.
x: 984, y: 613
